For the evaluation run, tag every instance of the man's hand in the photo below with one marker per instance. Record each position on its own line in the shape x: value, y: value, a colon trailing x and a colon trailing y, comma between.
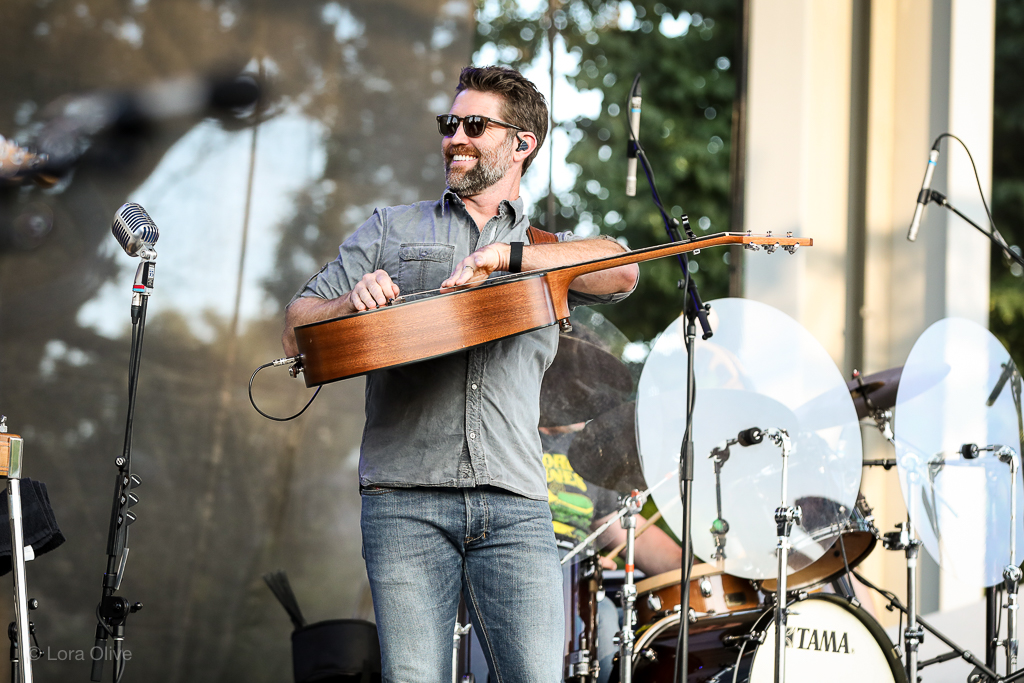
x: 477, y: 266
x: 373, y: 290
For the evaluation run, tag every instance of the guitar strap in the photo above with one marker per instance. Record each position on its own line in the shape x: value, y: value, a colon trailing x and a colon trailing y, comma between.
x: 538, y: 236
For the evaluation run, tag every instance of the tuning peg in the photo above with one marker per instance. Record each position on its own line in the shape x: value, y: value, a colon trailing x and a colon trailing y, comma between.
x: 131, y: 517
x: 136, y: 481
x: 132, y: 500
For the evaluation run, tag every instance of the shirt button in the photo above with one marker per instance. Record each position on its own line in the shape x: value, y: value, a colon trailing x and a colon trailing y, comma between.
x: 472, y: 435
x: 474, y: 387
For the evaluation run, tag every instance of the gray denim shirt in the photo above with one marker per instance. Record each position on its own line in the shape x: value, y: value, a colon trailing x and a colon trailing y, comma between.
x: 466, y: 419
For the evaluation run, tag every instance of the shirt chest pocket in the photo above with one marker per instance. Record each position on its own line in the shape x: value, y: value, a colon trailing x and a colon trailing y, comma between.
x: 423, y: 266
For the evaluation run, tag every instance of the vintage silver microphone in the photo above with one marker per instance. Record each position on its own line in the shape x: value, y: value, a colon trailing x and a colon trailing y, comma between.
x: 135, y: 231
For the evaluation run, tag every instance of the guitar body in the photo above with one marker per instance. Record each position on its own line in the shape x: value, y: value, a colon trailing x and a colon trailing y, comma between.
x: 402, y: 333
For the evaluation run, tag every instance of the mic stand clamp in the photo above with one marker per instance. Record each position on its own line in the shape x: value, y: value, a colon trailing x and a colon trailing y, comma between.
x: 719, y: 527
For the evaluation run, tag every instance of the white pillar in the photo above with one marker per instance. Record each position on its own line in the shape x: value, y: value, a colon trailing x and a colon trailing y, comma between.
x: 798, y: 158
x: 931, y: 71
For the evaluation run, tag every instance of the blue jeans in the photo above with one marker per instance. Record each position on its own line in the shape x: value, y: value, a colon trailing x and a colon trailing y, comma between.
x: 424, y: 547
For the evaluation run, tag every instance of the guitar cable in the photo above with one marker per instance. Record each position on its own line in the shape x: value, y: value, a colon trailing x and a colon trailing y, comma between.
x: 278, y: 362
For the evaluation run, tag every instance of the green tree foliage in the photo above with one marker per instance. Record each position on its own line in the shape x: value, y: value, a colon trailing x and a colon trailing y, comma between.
x: 1007, y: 301
x: 685, y: 52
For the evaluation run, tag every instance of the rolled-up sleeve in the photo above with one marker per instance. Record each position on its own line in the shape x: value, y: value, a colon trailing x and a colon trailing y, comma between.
x: 357, y: 256
x: 579, y: 298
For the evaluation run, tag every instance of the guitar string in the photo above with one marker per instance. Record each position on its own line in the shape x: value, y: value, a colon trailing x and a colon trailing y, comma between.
x: 508, y: 277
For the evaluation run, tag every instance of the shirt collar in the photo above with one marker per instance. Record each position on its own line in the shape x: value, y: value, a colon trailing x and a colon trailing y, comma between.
x: 516, y: 205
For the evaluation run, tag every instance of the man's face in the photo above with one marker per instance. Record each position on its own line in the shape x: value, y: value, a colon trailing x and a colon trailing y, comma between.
x: 471, y: 165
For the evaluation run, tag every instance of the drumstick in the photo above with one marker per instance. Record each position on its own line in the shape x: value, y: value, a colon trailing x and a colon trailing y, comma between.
x: 614, y: 552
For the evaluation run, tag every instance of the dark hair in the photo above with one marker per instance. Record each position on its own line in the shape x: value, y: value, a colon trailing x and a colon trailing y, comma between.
x: 522, y: 103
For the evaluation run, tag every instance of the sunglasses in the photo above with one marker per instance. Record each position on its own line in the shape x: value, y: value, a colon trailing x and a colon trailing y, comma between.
x: 473, y: 125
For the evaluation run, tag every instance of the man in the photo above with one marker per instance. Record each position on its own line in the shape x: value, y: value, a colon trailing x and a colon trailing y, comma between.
x: 454, y: 497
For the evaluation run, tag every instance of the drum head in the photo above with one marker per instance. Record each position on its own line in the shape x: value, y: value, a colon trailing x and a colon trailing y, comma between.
x: 828, y: 638
x: 851, y: 548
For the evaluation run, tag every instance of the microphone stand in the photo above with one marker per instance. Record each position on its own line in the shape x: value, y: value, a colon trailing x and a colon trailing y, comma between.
x: 694, y: 309
x: 112, y: 611
x: 997, y: 239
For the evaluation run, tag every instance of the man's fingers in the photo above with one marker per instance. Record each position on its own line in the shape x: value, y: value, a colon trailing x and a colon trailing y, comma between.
x: 387, y: 287
x: 364, y: 298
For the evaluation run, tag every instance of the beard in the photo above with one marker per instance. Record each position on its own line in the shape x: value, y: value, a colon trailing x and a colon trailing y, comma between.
x: 491, y: 166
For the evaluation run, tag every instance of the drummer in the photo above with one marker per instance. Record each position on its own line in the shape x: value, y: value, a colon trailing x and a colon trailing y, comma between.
x: 579, y: 506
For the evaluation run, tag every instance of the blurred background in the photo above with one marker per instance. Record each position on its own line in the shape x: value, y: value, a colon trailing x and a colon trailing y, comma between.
x: 757, y: 115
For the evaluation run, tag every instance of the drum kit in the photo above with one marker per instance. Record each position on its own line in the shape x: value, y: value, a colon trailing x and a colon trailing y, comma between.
x: 765, y: 388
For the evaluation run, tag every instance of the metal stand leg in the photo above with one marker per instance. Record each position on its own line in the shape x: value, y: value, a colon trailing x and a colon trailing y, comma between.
x: 1012, y: 573
x: 11, y: 447
x: 914, y: 634
x: 626, y: 639
x: 20, y: 591
x: 785, y: 517
x: 460, y: 631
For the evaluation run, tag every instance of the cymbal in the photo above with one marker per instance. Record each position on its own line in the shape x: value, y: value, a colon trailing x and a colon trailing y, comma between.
x: 880, y: 387
x: 605, y: 451
x: 584, y: 381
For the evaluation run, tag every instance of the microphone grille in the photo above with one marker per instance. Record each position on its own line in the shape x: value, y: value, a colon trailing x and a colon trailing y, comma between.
x: 132, y: 227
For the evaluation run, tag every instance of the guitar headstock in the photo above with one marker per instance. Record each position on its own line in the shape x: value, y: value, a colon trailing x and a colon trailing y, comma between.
x: 771, y: 242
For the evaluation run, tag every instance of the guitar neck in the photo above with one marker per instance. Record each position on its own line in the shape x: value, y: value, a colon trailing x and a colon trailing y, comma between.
x: 675, y: 248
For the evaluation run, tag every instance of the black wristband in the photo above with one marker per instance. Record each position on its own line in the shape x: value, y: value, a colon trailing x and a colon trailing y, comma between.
x: 515, y: 257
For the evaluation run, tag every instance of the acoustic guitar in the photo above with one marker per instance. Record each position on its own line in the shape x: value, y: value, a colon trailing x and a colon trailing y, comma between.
x: 410, y: 331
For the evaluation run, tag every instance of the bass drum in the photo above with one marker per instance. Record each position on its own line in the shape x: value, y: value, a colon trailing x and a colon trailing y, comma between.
x: 827, y: 639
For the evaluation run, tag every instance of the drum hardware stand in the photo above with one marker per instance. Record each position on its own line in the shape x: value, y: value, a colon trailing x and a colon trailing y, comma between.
x: 785, y: 517
x: 981, y: 671
x: 903, y: 539
x: 112, y: 611
x: 885, y: 463
x: 1011, y: 573
x: 460, y: 631
x: 632, y: 505
x: 882, y: 418
x: 11, y: 461
x: 624, y: 510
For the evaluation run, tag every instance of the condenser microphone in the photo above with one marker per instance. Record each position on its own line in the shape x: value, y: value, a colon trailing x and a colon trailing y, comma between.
x: 923, y: 195
x: 750, y: 437
x: 134, y: 230
x: 634, y: 139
